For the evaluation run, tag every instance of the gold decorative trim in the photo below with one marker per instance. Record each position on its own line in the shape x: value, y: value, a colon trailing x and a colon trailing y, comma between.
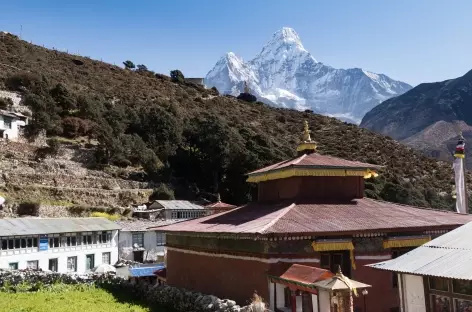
x: 306, y: 146
x: 405, y: 242
x: 335, y: 245
x: 304, y: 172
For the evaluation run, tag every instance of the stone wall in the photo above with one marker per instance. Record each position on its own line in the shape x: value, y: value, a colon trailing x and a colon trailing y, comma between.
x: 178, y: 299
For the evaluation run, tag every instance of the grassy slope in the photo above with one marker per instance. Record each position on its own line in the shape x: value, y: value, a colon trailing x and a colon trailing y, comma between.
x: 76, y: 300
x: 275, y: 130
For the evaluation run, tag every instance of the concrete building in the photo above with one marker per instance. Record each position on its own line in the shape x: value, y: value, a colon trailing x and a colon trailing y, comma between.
x: 178, y: 209
x: 10, y: 125
x: 136, y: 242
x: 436, y: 276
x: 65, y: 245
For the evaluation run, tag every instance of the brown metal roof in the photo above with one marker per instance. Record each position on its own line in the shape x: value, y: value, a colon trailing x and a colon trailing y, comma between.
x: 320, y: 218
x: 303, y: 274
x: 220, y: 205
x: 316, y: 160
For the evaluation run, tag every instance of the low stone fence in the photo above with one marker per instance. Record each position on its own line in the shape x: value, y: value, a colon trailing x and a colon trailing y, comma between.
x: 178, y: 299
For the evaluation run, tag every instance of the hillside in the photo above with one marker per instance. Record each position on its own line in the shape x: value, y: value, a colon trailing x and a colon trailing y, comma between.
x: 406, y: 115
x: 191, y: 138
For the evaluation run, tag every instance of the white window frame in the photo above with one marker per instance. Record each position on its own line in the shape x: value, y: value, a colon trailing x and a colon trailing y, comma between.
x: 72, y: 260
x: 134, y: 241
x: 106, y: 255
x: 32, y: 267
x: 160, y: 239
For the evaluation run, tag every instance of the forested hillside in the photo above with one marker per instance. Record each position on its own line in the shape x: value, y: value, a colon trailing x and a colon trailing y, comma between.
x: 190, y: 137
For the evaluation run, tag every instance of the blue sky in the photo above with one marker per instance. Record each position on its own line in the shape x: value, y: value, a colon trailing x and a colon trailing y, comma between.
x: 411, y: 40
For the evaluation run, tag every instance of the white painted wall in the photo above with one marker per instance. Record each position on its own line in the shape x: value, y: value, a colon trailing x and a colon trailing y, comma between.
x: 325, y: 301
x: 413, y: 293
x: 299, y: 304
x: 279, y: 288
x: 12, y: 132
x: 271, y: 296
x: 152, y: 251
x: 314, y: 301
x: 22, y: 256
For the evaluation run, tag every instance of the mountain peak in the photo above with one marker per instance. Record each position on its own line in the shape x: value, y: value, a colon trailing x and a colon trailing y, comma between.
x: 288, y: 35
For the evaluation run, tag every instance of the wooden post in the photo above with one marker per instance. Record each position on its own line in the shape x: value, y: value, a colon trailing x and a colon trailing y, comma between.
x: 293, y: 300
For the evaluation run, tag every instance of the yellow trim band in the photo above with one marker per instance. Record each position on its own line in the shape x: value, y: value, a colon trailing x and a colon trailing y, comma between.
x: 306, y: 146
x: 405, y: 242
x: 333, y: 246
x: 301, y: 172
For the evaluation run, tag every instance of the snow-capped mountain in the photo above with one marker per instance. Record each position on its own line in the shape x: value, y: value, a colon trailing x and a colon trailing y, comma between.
x: 285, y: 74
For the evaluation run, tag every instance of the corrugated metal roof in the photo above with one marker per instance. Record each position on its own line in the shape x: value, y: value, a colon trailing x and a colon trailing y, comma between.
x: 449, y: 255
x: 37, y: 226
x: 320, y: 217
x: 178, y: 204
x: 316, y: 160
x: 144, y: 225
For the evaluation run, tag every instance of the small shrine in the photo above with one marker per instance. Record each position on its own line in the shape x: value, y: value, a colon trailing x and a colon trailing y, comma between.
x: 310, y: 211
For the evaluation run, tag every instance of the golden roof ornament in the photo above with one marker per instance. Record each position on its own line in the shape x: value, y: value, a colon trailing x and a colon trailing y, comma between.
x: 307, y: 145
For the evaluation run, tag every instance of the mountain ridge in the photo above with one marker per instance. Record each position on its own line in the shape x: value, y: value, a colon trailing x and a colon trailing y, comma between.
x: 285, y: 74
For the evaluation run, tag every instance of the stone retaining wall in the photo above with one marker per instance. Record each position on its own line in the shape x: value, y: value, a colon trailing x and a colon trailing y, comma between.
x: 179, y: 299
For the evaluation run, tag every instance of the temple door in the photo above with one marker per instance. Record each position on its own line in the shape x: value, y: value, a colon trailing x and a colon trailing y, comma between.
x: 307, y: 304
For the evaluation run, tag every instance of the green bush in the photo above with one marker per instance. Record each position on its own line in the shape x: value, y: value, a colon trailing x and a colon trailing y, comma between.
x: 163, y: 192
x: 6, y: 103
x: 177, y: 76
x: 29, y: 208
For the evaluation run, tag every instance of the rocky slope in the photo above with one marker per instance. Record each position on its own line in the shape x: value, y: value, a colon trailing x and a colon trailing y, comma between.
x: 406, y: 115
x: 206, y: 142
x: 429, y: 117
x: 285, y: 74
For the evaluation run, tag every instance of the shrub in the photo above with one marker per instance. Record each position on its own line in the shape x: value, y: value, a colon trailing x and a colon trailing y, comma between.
x: 23, y: 81
x: 51, y: 150
x: 177, y: 76
x: 6, y: 103
x: 128, y: 64
x: 215, y: 91
x: 111, y: 217
x: 74, y: 127
x: 163, y: 192
x: 247, y: 97
x: 28, y: 208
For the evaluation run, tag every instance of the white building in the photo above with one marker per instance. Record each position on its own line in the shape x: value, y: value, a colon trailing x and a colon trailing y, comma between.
x: 10, y: 125
x: 178, y: 209
x: 436, y: 276
x: 138, y: 243
x: 65, y: 245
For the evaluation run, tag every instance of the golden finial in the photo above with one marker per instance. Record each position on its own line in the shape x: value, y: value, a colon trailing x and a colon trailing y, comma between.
x: 306, y: 144
x: 306, y: 133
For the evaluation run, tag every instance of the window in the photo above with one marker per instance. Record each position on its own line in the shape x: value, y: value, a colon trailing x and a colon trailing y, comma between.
x: 438, y: 283
x: 29, y: 242
x: 106, y: 258
x: 13, y: 265
x: 35, y: 242
x: 462, y: 305
x: 53, y: 265
x: 11, y: 243
x: 331, y: 261
x: 23, y: 243
x: 32, y: 265
x: 7, y: 122
x: 138, y: 239
x: 87, y: 239
x: 53, y: 242
x: 89, y: 262
x: 441, y: 303
x: 161, y: 239
x: 179, y: 214
x: 4, y: 244
x: 72, y: 264
x: 461, y: 287
x: 17, y: 243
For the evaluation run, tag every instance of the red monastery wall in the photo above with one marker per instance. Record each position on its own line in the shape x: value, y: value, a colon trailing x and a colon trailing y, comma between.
x: 234, y: 279
x: 382, y: 296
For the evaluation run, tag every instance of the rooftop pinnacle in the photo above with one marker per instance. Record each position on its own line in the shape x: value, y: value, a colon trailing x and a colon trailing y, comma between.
x: 307, y: 145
